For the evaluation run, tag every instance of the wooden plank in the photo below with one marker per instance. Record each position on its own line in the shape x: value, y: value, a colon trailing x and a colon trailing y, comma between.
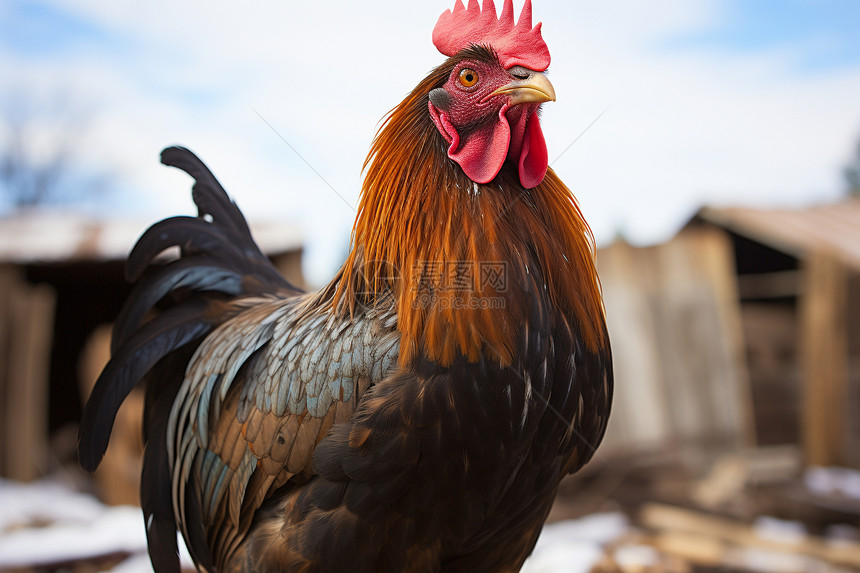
x: 770, y: 285
x: 674, y: 322
x: 26, y: 428
x: 703, y: 339
x: 670, y: 519
x: 639, y: 410
x: 823, y: 347
x: 731, y: 393
x: 851, y: 455
x: 771, y: 333
x: 8, y: 278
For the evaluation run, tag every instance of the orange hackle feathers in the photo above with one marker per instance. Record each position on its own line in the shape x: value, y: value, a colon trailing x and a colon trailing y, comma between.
x: 420, y: 219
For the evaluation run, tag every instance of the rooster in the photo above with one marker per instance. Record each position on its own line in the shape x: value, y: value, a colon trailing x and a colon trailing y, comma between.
x: 419, y: 411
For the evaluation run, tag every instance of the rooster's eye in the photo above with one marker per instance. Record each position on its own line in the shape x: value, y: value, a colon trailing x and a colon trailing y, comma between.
x: 468, y: 77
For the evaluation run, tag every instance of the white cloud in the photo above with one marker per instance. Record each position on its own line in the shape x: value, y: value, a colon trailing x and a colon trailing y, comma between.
x: 682, y: 128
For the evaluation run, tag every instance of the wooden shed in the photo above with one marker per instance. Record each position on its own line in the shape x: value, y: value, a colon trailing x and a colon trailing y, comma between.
x: 61, y: 282
x: 798, y: 277
x: 741, y: 331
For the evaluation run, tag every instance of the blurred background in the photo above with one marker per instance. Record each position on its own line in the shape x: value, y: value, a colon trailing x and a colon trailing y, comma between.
x: 714, y: 146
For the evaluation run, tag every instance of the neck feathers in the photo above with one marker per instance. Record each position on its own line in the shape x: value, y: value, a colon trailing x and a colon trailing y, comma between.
x: 465, y: 263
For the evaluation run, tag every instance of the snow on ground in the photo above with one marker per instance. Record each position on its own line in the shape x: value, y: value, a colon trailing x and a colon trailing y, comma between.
x: 575, y: 546
x: 48, y: 522
x: 833, y: 481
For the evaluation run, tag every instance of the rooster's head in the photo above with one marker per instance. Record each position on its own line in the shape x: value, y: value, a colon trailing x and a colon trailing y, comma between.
x: 487, y: 108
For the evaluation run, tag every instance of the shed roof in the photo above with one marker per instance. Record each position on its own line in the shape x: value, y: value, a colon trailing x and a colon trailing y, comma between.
x: 40, y: 236
x: 799, y: 232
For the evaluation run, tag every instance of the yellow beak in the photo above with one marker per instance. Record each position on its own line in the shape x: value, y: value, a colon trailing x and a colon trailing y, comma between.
x: 534, y: 89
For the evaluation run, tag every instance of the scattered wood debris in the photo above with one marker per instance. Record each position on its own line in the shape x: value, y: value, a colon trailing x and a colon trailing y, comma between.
x: 754, y: 511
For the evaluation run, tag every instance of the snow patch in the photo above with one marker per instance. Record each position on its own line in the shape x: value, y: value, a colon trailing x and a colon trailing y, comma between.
x: 575, y: 546
x: 47, y: 522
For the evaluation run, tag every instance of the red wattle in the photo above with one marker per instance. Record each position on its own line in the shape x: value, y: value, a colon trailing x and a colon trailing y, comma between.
x: 483, y: 152
x: 534, y: 158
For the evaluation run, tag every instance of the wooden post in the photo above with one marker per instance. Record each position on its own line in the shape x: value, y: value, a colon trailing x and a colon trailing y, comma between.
x: 7, y: 281
x: 823, y: 347
x: 28, y: 322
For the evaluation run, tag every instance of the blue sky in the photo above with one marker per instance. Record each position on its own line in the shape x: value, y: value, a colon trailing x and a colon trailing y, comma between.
x: 43, y: 30
x: 829, y: 29
x: 699, y: 102
x: 32, y: 28
x: 825, y: 32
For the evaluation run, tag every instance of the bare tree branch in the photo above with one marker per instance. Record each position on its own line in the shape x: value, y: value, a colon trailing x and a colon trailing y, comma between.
x: 40, y: 143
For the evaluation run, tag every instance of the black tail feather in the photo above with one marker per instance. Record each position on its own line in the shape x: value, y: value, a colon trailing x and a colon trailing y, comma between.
x: 209, y: 196
x: 193, y: 235
x: 217, y: 255
x: 167, y: 332
x: 197, y: 274
x: 218, y: 260
x: 169, y: 312
x: 212, y: 202
x: 156, y: 506
x: 155, y: 482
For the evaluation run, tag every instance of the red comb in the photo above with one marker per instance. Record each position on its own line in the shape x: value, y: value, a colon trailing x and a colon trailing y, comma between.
x: 517, y: 45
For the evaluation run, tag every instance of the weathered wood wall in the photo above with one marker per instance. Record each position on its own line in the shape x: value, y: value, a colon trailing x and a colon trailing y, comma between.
x: 675, y: 327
